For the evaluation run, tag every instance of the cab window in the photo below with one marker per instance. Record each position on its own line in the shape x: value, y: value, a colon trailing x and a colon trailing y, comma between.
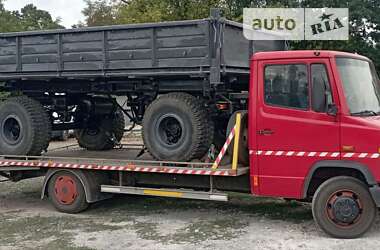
x: 321, y: 91
x: 287, y: 86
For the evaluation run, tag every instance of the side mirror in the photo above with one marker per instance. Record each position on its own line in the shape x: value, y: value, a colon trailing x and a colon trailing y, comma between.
x: 332, y: 109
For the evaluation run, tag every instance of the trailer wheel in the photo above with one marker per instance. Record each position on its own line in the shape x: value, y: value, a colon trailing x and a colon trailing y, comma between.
x: 243, y: 157
x: 104, y: 133
x: 343, y: 207
x: 177, y: 126
x: 25, y: 127
x: 66, y: 192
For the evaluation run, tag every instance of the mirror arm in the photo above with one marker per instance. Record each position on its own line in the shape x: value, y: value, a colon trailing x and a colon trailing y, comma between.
x: 332, y: 109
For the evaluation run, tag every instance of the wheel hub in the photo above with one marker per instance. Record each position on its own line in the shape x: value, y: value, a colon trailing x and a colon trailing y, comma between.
x: 344, y: 208
x: 65, y: 190
x: 12, y: 129
x: 92, y: 131
x: 169, y: 129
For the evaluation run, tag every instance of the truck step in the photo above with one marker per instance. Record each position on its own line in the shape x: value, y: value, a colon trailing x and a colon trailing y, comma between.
x: 161, y: 192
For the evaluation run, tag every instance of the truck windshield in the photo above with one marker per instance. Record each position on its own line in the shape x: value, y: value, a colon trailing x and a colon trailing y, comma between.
x: 361, y: 86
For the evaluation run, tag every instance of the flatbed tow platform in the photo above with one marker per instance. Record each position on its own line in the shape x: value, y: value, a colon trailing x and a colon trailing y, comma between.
x: 124, y: 159
x: 119, y: 162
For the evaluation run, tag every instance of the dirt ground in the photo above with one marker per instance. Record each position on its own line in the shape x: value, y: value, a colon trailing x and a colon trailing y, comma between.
x: 133, y: 222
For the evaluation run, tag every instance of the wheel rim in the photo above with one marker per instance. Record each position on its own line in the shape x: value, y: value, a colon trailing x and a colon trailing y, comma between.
x: 12, y: 129
x: 344, y: 208
x: 65, y: 190
x: 169, y: 129
x: 94, y: 126
x: 92, y: 132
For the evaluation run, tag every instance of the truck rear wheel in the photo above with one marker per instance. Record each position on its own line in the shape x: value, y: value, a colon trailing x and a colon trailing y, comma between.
x: 343, y: 207
x: 66, y: 193
x: 25, y: 127
x: 104, y: 133
x: 176, y: 126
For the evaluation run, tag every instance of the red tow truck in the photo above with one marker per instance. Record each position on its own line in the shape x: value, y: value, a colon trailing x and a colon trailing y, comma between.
x: 311, y: 133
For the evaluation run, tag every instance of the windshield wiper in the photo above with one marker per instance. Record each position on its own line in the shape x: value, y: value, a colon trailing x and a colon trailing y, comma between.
x: 366, y: 113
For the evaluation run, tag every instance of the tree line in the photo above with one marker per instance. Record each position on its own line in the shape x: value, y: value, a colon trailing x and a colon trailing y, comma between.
x: 364, y: 18
x: 29, y: 18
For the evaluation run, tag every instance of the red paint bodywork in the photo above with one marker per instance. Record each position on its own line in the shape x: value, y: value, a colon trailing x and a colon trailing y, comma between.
x: 299, y: 130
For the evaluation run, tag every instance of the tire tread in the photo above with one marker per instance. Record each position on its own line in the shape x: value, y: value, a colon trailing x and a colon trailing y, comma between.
x: 41, y: 124
x: 204, y: 133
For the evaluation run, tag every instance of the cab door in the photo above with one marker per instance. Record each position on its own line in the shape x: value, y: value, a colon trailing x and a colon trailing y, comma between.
x: 294, y: 130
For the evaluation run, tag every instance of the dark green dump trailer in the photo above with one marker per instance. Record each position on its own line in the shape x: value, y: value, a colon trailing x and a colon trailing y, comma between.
x: 183, y: 81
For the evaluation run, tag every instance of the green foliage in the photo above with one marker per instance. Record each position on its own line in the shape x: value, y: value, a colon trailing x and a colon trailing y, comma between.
x: 99, y: 12
x: 106, y: 12
x: 364, y: 29
x: 29, y: 18
x: 32, y: 18
x: 9, y: 21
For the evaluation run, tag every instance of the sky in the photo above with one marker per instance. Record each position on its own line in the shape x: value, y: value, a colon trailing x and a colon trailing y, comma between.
x: 68, y: 10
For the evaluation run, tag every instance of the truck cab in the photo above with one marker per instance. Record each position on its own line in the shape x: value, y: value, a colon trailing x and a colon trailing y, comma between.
x: 314, y: 115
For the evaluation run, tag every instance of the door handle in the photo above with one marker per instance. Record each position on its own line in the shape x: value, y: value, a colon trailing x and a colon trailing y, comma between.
x: 265, y: 132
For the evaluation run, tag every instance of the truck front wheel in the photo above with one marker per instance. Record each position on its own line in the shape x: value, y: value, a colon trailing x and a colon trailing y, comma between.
x: 66, y: 193
x: 103, y: 133
x: 343, y: 207
x: 177, y: 127
x: 25, y: 127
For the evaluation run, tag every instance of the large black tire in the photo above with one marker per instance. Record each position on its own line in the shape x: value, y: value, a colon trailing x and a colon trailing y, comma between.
x: 104, y: 134
x: 243, y: 156
x: 177, y: 127
x: 66, y: 193
x: 25, y: 127
x: 343, y: 207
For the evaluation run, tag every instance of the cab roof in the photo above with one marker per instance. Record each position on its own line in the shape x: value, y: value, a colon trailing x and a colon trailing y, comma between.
x: 292, y: 54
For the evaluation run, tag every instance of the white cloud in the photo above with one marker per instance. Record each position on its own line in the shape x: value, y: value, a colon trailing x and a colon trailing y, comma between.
x: 68, y: 10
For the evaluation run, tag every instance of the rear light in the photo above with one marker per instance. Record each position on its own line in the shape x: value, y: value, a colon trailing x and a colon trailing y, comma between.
x: 222, y: 106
